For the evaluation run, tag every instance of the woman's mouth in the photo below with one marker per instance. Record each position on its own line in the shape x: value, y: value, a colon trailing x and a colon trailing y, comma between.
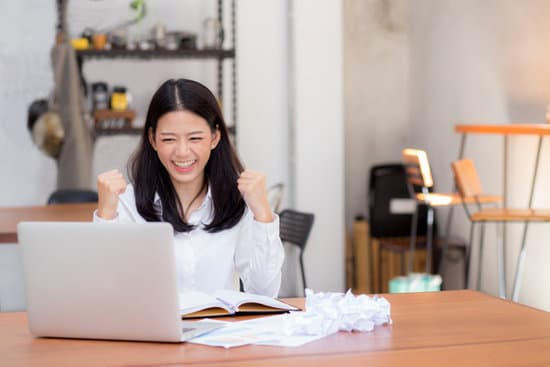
x: 184, y: 166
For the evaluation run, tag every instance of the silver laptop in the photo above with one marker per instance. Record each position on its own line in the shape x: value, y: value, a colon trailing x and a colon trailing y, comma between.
x: 103, y: 281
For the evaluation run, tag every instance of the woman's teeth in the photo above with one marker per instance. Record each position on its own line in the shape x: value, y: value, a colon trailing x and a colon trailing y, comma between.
x: 185, y: 164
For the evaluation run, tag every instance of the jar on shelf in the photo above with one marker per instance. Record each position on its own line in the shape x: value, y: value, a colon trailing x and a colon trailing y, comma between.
x: 212, y: 33
x: 100, y: 96
x: 120, y: 99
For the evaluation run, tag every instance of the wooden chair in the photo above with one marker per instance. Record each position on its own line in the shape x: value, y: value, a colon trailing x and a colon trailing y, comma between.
x: 421, y: 187
x: 469, y: 186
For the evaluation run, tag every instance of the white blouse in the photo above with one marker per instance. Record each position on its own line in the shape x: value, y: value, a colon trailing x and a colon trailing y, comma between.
x: 251, y: 250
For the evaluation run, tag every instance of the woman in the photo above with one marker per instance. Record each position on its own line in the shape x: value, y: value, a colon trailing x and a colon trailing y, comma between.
x: 186, y: 172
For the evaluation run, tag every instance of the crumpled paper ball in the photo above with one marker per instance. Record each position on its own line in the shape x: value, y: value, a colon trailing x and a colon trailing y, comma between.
x: 329, y: 312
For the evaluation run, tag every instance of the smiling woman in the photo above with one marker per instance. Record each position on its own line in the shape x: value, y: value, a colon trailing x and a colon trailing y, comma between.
x: 183, y: 142
x: 187, y: 173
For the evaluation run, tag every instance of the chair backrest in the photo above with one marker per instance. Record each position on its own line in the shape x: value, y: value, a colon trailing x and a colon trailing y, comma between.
x: 388, y: 182
x: 295, y: 227
x: 72, y: 196
x: 275, y: 196
x: 466, y: 177
x: 417, y: 168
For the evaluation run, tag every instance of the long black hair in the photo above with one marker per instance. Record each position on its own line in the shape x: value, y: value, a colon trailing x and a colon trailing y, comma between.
x: 221, y: 172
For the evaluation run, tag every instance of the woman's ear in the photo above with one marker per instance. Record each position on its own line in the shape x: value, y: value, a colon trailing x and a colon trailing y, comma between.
x: 216, y: 137
x: 152, y: 138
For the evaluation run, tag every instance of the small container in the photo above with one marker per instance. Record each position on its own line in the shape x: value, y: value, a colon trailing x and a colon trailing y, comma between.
x: 119, y: 99
x: 99, y: 41
x: 212, y: 34
x: 100, y: 96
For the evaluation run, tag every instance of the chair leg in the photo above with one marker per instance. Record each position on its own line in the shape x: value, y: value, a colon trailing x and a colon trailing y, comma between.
x: 519, y: 266
x: 412, y: 244
x: 501, y: 263
x: 379, y: 290
x: 303, y: 273
x: 469, y: 256
x: 429, y: 239
x: 370, y: 262
x: 444, y: 249
x: 480, y: 255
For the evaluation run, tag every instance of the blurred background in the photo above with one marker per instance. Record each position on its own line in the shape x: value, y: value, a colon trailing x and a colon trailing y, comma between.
x: 318, y: 92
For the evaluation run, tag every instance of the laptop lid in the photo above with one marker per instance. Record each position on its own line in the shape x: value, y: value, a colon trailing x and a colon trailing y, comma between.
x: 101, y: 281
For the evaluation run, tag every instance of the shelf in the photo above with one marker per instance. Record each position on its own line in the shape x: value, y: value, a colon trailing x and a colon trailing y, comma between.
x: 107, y: 122
x: 100, y: 115
x: 130, y: 130
x: 157, y: 54
x: 111, y: 122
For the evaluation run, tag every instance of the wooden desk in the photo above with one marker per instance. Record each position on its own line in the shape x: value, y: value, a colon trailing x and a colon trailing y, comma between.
x: 452, y: 328
x: 9, y: 217
x: 506, y: 130
x: 540, y: 130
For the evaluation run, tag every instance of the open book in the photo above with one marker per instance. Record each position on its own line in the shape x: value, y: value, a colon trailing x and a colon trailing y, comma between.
x: 227, y: 302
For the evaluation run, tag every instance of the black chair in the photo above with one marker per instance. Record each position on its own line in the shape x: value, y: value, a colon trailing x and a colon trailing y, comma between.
x: 72, y: 196
x: 294, y: 228
x: 391, y: 228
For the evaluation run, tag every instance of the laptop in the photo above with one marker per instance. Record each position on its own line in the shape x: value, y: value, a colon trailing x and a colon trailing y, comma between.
x: 103, y: 281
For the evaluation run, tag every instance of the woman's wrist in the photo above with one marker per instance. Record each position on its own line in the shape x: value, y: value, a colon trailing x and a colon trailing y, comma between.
x: 106, y: 214
x: 263, y: 214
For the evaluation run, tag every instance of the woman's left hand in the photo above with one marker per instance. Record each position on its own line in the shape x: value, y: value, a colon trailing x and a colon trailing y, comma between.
x: 252, y: 186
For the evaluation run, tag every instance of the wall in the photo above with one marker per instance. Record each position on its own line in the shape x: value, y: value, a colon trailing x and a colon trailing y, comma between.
x: 319, y: 136
x: 27, y: 175
x: 376, y: 91
x: 485, y: 62
x: 262, y: 68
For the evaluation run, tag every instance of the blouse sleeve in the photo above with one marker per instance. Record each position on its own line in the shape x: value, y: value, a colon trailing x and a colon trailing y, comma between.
x: 259, y: 255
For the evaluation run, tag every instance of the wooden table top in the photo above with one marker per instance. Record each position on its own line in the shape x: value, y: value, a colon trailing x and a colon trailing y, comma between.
x: 451, y: 328
x: 504, y: 129
x: 9, y: 217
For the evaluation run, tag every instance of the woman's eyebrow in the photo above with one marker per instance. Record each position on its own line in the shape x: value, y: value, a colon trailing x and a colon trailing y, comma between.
x: 196, y: 132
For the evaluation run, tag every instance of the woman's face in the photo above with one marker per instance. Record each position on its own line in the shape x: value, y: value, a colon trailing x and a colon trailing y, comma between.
x: 183, y: 142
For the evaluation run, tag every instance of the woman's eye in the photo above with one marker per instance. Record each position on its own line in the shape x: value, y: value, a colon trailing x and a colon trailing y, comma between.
x: 167, y: 140
x: 196, y: 138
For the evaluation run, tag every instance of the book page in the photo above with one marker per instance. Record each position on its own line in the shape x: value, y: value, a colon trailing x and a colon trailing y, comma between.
x: 238, y: 299
x: 193, y: 301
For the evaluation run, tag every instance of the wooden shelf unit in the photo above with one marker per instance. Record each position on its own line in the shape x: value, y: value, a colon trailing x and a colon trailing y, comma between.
x: 218, y: 54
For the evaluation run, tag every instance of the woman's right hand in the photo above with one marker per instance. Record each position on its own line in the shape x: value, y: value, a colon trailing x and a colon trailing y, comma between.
x: 110, y: 184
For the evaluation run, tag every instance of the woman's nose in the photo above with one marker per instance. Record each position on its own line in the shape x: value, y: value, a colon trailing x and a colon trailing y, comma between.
x: 182, y: 148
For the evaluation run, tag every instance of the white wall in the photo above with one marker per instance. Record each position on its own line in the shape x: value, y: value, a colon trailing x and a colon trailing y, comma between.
x: 281, y: 84
x: 262, y: 69
x: 376, y: 91
x: 25, y: 74
x: 318, y: 129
